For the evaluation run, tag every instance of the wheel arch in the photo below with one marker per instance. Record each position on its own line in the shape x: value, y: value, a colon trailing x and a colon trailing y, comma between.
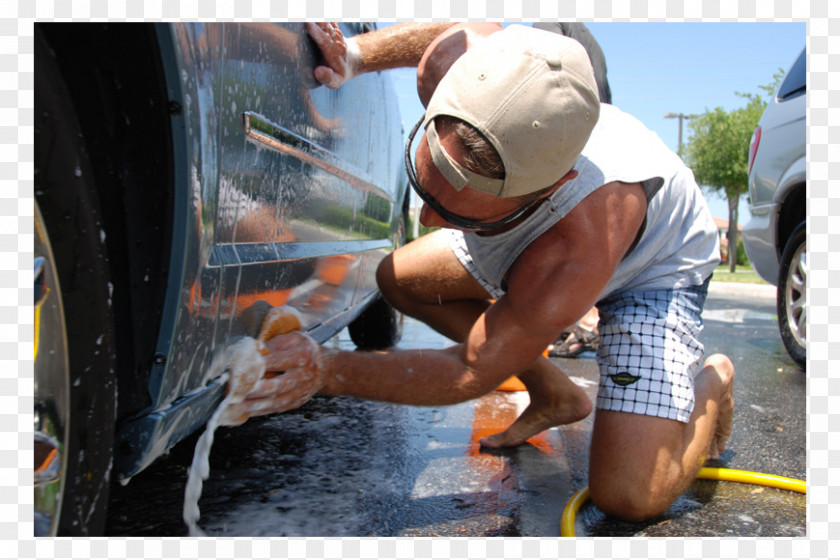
x: 791, y: 197
x: 115, y: 79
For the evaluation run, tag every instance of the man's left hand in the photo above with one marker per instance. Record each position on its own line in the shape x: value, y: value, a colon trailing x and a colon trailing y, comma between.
x: 340, y: 54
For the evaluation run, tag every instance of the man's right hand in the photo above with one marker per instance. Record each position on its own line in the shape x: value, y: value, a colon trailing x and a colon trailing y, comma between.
x: 341, y: 54
x: 298, y: 358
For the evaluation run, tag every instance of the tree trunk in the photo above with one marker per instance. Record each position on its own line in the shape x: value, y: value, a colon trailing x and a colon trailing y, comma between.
x: 732, y: 234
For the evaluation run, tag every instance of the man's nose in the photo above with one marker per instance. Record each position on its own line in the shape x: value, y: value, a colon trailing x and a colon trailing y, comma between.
x: 430, y: 218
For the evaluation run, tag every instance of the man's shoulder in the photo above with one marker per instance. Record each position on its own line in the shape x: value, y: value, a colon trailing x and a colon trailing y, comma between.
x: 613, y: 117
x: 622, y: 146
x: 588, y: 226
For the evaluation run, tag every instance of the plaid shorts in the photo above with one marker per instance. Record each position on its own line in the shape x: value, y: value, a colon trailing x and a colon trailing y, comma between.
x: 650, y: 351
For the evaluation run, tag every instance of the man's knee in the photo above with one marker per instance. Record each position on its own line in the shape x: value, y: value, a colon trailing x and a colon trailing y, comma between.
x: 397, y: 287
x: 626, y: 501
x: 386, y: 280
x: 385, y: 277
x: 635, y: 469
x: 721, y: 363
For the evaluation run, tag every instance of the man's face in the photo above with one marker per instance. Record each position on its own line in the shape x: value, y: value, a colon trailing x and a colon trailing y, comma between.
x: 468, y: 205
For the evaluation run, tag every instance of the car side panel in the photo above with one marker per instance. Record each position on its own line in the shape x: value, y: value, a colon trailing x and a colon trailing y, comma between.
x: 778, y: 169
x: 783, y: 140
x: 289, y: 194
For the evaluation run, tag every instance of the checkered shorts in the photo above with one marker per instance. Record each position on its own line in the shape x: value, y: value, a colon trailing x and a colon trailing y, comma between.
x: 650, y: 351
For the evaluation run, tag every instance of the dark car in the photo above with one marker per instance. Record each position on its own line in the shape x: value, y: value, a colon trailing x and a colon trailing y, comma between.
x: 189, y: 177
x: 775, y: 236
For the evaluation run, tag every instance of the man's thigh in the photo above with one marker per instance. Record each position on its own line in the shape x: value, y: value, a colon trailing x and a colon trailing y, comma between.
x: 427, y: 271
x: 634, y: 449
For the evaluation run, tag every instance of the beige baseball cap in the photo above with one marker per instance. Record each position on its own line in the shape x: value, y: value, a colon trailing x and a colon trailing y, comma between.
x: 532, y: 94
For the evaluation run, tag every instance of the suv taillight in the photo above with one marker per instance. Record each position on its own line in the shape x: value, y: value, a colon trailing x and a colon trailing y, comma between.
x: 756, y: 138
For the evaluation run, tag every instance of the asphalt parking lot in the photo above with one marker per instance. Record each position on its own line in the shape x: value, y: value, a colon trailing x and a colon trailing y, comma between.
x: 343, y: 467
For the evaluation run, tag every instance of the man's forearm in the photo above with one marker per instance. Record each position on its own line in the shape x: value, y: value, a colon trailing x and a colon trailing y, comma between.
x: 416, y: 377
x: 397, y: 46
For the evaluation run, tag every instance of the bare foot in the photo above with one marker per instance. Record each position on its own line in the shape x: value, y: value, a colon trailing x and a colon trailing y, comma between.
x: 555, y: 401
x: 724, y: 368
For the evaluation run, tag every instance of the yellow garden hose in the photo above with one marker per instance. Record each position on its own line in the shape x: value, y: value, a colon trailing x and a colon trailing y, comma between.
x: 567, y: 522
x: 760, y: 479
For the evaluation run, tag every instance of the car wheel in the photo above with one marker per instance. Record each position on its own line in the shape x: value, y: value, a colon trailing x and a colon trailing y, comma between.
x: 68, y: 217
x: 791, y: 301
x: 52, y: 386
x: 380, y: 325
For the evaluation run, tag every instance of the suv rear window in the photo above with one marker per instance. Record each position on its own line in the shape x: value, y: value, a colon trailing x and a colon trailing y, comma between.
x: 794, y: 83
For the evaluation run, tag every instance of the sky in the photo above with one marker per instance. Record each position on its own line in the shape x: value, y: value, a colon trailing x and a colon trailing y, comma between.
x: 689, y: 68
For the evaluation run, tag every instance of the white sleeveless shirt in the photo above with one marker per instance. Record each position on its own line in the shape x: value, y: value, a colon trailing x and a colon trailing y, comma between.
x: 679, y: 244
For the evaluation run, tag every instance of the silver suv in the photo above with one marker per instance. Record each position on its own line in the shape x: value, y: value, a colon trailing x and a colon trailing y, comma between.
x: 775, y: 234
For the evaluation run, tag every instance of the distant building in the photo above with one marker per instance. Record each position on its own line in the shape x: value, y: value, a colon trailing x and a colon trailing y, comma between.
x: 723, y: 234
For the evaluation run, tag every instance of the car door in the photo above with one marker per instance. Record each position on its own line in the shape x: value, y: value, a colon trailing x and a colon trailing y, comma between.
x: 286, y: 194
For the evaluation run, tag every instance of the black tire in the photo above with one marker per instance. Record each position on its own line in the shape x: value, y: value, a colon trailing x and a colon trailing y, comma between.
x: 791, y: 302
x: 378, y: 327
x: 66, y: 195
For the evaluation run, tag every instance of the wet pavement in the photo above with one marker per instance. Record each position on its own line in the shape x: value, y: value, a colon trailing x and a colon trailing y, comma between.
x: 345, y: 467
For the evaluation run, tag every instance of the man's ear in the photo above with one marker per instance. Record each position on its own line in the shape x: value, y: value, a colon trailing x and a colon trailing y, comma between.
x: 444, y: 51
x: 568, y: 176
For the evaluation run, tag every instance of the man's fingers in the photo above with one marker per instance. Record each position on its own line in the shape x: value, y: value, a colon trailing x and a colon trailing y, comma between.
x: 295, y: 355
x: 264, y: 400
x: 281, y: 384
x: 289, y: 351
x: 316, y: 32
x: 328, y: 76
x: 320, y: 32
x: 329, y: 39
x: 325, y: 34
x: 334, y: 48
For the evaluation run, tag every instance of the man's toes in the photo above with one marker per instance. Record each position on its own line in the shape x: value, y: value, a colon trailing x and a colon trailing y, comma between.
x: 503, y: 439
